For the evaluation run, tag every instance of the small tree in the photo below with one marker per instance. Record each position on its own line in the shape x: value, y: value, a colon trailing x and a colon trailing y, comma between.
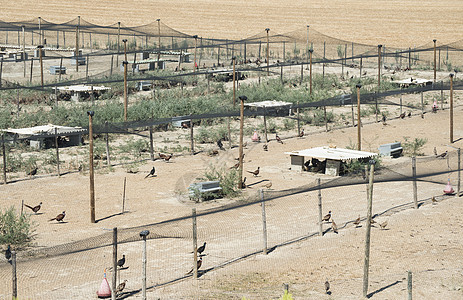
x: 17, y: 230
x: 414, y: 147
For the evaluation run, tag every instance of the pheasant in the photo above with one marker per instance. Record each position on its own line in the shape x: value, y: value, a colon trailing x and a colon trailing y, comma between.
x: 35, y: 209
x: 121, y: 262
x: 301, y: 134
x: 59, y: 217
x: 8, y: 253
x: 334, y: 226
x: 327, y: 217
x: 151, y: 173
x: 220, y: 144
x: 202, y: 248
x: 32, y: 172
x: 268, y: 185
x: 121, y: 287
x: 265, y: 146
x: 256, y: 172
x: 327, y: 286
x: 278, y: 139
x: 357, y: 221
x: 198, y: 265
x: 383, y: 225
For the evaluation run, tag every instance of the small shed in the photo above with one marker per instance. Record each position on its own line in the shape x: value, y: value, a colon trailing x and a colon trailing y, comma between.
x: 44, y: 136
x: 413, y: 81
x: 82, y: 91
x: 331, y: 156
x: 272, y: 108
x: 56, y: 70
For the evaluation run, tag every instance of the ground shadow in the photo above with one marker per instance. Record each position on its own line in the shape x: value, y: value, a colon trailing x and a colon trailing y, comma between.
x: 383, y: 288
x: 108, y: 217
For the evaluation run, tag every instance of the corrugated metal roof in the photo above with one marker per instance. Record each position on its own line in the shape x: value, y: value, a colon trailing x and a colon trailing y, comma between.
x: 332, y: 153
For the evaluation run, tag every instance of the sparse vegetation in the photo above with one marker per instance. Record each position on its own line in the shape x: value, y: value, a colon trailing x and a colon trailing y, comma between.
x: 17, y: 230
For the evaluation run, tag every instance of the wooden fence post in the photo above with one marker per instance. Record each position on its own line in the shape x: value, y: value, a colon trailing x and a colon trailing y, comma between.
x: 409, y: 285
x: 192, y: 143
x: 459, y: 173
x: 92, y: 180
x: 368, y: 232
x: 451, y: 108
x: 264, y: 222
x: 400, y: 103
x: 114, y: 276
x: 326, y: 119
x: 320, y: 213
x: 1, y: 71
x: 195, y: 244
x: 4, y: 158
x: 151, y: 144
x: 32, y: 69
x: 359, y: 122
x: 422, y: 105
x: 123, y: 195
x: 298, y: 120
x: 265, y: 124
x: 442, y: 95
x: 15, y: 278
x: 57, y: 151
x: 415, y: 189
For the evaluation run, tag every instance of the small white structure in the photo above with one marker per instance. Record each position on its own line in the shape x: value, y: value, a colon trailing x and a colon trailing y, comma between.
x: 77, y: 90
x: 44, y: 135
x: 272, y: 108
x: 332, y: 155
x: 413, y: 81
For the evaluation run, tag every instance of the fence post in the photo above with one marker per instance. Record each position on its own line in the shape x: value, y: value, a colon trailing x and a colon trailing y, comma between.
x: 376, y: 107
x: 400, y: 103
x: 409, y: 285
x: 60, y: 67
x: 359, y: 122
x: 264, y: 222
x: 415, y: 193
x: 57, y: 151
x: 361, y: 65
x: 32, y: 69
x: 368, y: 231
x: 192, y: 143
x: 114, y: 276
x: 379, y: 65
x: 265, y: 124
x: 302, y: 72
x: 1, y: 71
x: 310, y: 72
x: 123, y: 195
x: 108, y: 155
x: 451, y: 108
x: 298, y: 120
x: 151, y: 143
x: 326, y: 120
x: 15, y: 279
x: 92, y: 180
x: 320, y: 213
x: 4, y: 158
x: 459, y: 175
x: 422, y: 105
x: 195, y: 244
x: 442, y: 95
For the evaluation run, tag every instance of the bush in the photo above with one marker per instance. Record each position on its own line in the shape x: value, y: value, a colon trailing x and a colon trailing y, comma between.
x: 228, y: 179
x: 414, y: 147
x: 15, y: 230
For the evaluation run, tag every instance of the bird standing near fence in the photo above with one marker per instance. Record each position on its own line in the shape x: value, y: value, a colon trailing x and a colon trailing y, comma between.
x: 334, y: 226
x: 165, y: 157
x: 36, y: 208
x: 278, y: 139
x: 121, y: 287
x: 8, y: 253
x: 383, y: 225
x: 256, y: 172
x: 402, y: 115
x: 265, y: 146
x: 442, y: 155
x: 32, y: 172
x: 198, y: 265
x: 434, y: 200
x: 301, y: 134
x: 151, y: 173
x: 220, y: 144
x: 268, y: 185
x: 327, y: 286
x: 357, y: 221
x: 59, y: 217
x: 201, y: 249
x: 121, y: 262
x: 327, y: 217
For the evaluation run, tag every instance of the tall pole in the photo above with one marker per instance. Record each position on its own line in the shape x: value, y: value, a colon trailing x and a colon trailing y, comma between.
x: 320, y: 213
x: 159, y: 41
x: 359, y: 122
x: 41, y: 63
x: 308, y: 42
x: 379, y: 65
x: 143, y: 234
x: 195, y: 244
x: 77, y: 49
x: 310, y: 71
x: 15, y: 278
x: 240, y: 183
x: 196, y: 45
x: 435, y: 64
x: 24, y: 48
x: 4, y: 158
x: 268, y: 59
x: 114, y: 277
x: 92, y: 179
x: 234, y: 80
x: 57, y: 150
x: 459, y: 171
x: 451, y: 108
x: 118, y: 42
x: 415, y: 188
x: 368, y: 232
x: 40, y: 32
x: 125, y: 63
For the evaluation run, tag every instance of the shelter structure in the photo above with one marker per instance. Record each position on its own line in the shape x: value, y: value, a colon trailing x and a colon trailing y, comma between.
x: 413, y: 81
x: 82, y: 91
x: 272, y: 108
x: 325, y: 159
x: 44, y: 136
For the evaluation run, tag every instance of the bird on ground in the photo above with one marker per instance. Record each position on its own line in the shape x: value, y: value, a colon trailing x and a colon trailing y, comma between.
x: 434, y: 200
x: 402, y: 115
x: 256, y: 172
x: 236, y: 166
x: 435, y: 151
x: 442, y: 155
x: 59, y: 217
x: 278, y: 139
x: 301, y: 134
x: 383, y: 225
x: 239, y: 158
x: 243, y: 183
x: 372, y: 222
x: 121, y: 262
x: 198, y: 265
x: 268, y: 185
x: 334, y: 226
x: 327, y: 217
x: 357, y: 221
x: 151, y: 173
x: 220, y: 144
x: 121, y: 287
x: 32, y: 172
x: 213, y: 152
x: 201, y: 249
x: 36, y: 208
x: 384, y: 119
x: 327, y: 286
x: 8, y: 253
x: 165, y: 157
x: 265, y: 146
x: 409, y: 114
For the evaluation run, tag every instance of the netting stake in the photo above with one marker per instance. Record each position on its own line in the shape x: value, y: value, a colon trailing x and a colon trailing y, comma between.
x: 409, y: 285
x: 4, y: 158
x: 195, y: 244
x: 114, y: 276
x: 415, y: 189
x: 151, y: 144
x: 459, y: 173
x: 320, y: 213
x: 264, y: 222
x: 15, y: 279
x: 57, y: 151
x: 451, y: 108
x: 368, y: 232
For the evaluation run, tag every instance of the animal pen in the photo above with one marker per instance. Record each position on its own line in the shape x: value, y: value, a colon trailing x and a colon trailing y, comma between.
x: 270, y: 220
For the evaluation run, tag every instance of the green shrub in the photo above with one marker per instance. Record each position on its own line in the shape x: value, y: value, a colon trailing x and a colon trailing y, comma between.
x: 414, y: 147
x: 15, y: 230
x: 228, y: 179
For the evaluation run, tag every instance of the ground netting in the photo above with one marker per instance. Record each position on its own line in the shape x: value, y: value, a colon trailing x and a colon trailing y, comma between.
x: 232, y: 233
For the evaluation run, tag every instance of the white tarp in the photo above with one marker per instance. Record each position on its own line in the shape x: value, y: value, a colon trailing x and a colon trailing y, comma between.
x: 45, y: 129
x: 83, y: 88
x: 326, y: 152
x: 268, y: 104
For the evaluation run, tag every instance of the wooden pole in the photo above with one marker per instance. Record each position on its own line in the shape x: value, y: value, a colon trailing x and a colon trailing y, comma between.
x: 114, y: 276
x: 151, y: 144
x: 268, y: 58
x: 359, y: 122
x: 22, y: 207
x: 415, y: 189
x: 442, y: 95
x: 376, y: 106
x: 192, y: 141
x: 361, y: 65
x: 60, y: 68
x: 451, y: 108
x: 326, y: 119
x: 4, y: 158
x: 196, y: 45
x: 24, y: 48
x: 265, y: 125
x: 324, y: 63
x: 57, y: 151
x: 298, y: 120
x: 143, y: 291
x: 400, y: 103
x: 310, y: 72
x: 435, y: 64
x: 123, y: 195
x: 32, y: 69
x: 111, y: 69
x: 379, y: 66
x: 77, y: 49
x: 86, y: 69
x: 409, y: 285
x: 352, y: 111
x: 125, y: 63
x: 15, y: 278
x: 409, y: 58
x: 422, y: 105
x: 118, y: 42
x: 92, y: 179
x: 108, y: 154
x: 159, y: 41
x: 366, y: 265
x: 459, y: 169
x: 240, y: 183
x: 320, y: 212
x: 195, y: 244
x: 264, y: 222
x: 229, y: 133
x: 234, y: 81
x: 302, y: 72
x: 1, y: 71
